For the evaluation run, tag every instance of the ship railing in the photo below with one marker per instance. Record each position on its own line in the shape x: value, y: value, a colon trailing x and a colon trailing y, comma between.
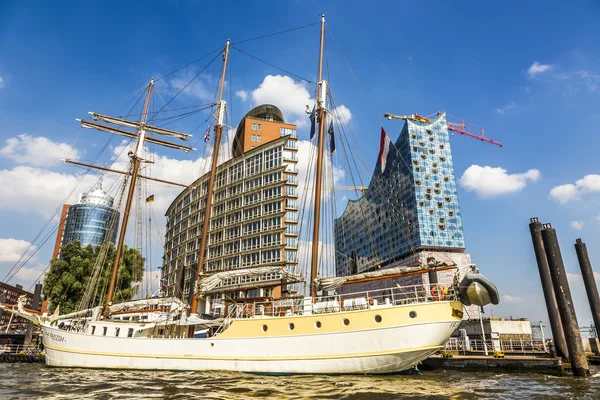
x: 333, y: 303
x: 515, y: 346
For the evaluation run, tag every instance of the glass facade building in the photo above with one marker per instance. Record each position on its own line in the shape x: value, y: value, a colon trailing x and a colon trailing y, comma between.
x: 412, y: 206
x: 253, y: 217
x: 91, y: 219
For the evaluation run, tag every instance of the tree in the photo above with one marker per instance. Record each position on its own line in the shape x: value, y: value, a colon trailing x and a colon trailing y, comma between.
x: 70, y: 275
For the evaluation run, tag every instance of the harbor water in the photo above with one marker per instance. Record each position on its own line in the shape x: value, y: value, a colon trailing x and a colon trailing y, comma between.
x: 36, y: 381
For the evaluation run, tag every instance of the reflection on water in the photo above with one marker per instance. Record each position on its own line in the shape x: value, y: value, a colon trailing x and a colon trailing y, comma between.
x: 26, y: 381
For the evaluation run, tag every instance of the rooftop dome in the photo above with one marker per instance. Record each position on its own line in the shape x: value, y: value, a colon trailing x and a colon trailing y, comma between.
x: 267, y: 112
x: 97, y: 196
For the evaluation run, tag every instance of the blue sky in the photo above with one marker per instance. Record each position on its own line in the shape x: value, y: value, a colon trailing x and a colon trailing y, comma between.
x: 526, y: 71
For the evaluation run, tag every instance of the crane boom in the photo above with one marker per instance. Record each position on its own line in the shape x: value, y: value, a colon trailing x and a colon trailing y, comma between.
x: 454, y: 127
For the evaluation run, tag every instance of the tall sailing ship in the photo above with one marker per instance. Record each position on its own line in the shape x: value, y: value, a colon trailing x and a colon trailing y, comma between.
x: 236, y: 301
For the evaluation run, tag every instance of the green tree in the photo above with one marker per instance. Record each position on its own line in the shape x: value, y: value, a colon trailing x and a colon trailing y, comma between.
x: 69, y: 276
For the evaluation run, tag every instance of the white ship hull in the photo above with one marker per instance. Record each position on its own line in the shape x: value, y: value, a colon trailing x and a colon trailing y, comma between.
x: 395, y: 343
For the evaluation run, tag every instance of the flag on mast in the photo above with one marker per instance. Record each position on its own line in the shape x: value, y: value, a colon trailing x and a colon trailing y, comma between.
x: 150, y: 199
x: 207, y: 135
x: 312, y: 122
x: 384, y: 149
x: 331, y: 138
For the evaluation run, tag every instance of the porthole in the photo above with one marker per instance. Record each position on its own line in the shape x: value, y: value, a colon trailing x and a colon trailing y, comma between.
x: 412, y: 314
x: 212, y: 345
x: 264, y: 328
x: 318, y: 324
x: 291, y: 326
x: 346, y: 321
x: 378, y: 318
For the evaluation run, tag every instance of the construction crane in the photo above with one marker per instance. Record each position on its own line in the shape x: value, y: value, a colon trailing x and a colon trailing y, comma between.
x: 454, y: 127
x: 362, y: 189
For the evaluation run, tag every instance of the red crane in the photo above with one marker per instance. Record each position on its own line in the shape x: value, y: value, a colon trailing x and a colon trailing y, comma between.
x: 459, y: 128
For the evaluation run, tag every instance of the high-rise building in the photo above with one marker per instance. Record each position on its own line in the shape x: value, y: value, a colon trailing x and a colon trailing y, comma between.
x: 91, y: 219
x: 410, y: 211
x: 253, y: 218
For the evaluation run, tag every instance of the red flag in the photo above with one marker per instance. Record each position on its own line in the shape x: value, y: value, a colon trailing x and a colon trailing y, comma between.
x: 384, y: 149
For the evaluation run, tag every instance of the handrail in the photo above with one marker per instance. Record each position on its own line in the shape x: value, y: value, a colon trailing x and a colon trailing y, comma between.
x: 415, y: 294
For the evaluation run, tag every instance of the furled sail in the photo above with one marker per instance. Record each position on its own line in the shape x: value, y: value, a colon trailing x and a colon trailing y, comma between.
x: 175, y: 304
x: 338, y: 281
x: 210, y: 282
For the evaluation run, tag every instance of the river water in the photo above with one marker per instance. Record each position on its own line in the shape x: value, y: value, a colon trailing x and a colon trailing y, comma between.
x: 36, y: 381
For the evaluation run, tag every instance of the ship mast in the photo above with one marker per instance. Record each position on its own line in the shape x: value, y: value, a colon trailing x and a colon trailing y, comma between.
x: 140, y: 134
x: 211, y: 181
x: 321, y: 111
x: 136, y: 160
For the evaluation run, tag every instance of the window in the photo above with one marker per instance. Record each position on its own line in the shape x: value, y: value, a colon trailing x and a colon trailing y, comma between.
x: 253, y: 127
x: 254, y: 138
x: 258, y: 136
x: 93, y: 329
x: 130, y: 332
x: 258, y: 126
x: 104, y: 329
x: 117, y: 330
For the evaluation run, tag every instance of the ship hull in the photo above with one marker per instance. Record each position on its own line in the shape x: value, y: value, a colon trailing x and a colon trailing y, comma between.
x: 395, y: 343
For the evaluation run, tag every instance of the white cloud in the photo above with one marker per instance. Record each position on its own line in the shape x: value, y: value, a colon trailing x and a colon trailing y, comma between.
x: 36, y: 189
x: 11, y: 250
x: 289, y: 96
x: 493, y: 181
x: 565, y: 193
x: 577, y: 225
x: 37, y: 151
x: 1, y: 82
x: 343, y: 114
x: 242, y: 94
x: 202, y: 87
x: 507, y: 107
x: 305, y: 149
x: 537, y: 68
x: 511, y: 299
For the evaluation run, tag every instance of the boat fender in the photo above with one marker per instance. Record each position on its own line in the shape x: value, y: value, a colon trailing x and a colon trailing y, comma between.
x: 476, y: 289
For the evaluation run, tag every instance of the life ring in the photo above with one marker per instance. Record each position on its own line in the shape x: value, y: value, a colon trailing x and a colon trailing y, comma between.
x: 247, y: 310
x: 437, y: 293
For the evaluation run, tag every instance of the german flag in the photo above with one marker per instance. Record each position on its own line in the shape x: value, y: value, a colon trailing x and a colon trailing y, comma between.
x: 150, y: 199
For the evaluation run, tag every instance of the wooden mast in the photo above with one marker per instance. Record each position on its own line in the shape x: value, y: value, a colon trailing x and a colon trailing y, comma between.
x: 135, y: 162
x: 211, y: 181
x: 321, y: 96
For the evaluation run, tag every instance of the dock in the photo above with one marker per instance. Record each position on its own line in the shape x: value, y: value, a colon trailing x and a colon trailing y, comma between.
x: 481, y: 363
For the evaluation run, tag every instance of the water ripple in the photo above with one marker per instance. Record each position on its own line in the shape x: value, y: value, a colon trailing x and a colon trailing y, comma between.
x: 27, y: 381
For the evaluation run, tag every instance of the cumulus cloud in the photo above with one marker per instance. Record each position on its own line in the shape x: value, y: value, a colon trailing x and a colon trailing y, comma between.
x: 289, y: 96
x: 37, y: 151
x: 511, y: 299
x: 1, y: 82
x: 242, y: 94
x: 342, y: 113
x: 538, y: 68
x: 565, y: 193
x: 494, y: 181
x: 577, y: 225
x: 11, y: 250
